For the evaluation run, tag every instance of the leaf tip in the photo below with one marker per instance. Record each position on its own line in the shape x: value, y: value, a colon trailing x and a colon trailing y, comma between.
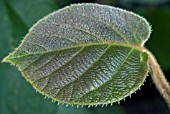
x: 5, y: 60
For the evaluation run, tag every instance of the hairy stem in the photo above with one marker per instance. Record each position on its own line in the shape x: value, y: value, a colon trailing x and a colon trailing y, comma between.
x: 159, y: 79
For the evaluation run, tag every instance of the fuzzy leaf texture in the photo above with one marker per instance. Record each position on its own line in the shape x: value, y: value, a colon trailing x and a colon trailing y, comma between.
x: 85, y: 54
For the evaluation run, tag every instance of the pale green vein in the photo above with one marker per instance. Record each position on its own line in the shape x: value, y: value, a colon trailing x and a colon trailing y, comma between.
x: 140, y: 24
x: 77, y: 53
x: 74, y: 54
x: 108, y: 25
x: 104, y: 51
x: 44, y: 63
x: 61, y: 49
x: 37, y: 60
x: 87, y: 32
x: 54, y: 35
x: 39, y: 53
x: 132, y: 31
x: 37, y: 45
x: 128, y: 55
x: 22, y: 69
x: 128, y: 92
x: 66, y: 55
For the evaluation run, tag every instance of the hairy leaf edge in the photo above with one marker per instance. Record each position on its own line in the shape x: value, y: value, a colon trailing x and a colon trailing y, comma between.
x: 11, y: 55
x: 139, y: 48
x: 117, y: 8
x: 130, y: 12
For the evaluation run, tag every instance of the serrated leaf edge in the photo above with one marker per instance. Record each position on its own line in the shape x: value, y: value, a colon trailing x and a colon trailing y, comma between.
x: 140, y: 48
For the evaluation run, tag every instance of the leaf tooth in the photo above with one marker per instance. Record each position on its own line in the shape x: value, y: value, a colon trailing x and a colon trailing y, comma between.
x: 82, y: 106
x: 53, y: 101
x: 78, y: 106
x: 89, y: 106
x: 130, y: 96
x: 92, y: 106
x: 143, y: 84
x: 45, y: 97
x: 103, y: 105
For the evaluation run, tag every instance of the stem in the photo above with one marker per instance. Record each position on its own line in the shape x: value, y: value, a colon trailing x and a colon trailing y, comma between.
x: 159, y: 79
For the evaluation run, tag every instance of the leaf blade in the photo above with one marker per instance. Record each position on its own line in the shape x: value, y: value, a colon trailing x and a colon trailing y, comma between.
x: 41, y: 83
x: 71, y: 61
x: 70, y: 32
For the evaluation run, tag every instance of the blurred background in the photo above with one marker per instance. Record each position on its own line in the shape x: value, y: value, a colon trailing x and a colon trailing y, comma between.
x: 18, y: 97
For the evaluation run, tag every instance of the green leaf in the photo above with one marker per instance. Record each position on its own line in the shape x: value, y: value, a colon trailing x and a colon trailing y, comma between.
x: 85, y: 54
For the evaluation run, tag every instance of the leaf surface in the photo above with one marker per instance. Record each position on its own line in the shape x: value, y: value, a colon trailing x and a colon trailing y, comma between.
x: 85, y: 54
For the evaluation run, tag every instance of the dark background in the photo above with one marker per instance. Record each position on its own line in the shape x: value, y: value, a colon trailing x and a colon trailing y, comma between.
x: 18, y: 97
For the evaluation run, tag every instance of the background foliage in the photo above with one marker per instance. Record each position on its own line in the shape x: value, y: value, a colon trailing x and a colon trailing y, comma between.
x: 18, y: 97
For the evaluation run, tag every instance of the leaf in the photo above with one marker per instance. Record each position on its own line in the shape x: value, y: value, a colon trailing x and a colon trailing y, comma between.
x: 85, y: 54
